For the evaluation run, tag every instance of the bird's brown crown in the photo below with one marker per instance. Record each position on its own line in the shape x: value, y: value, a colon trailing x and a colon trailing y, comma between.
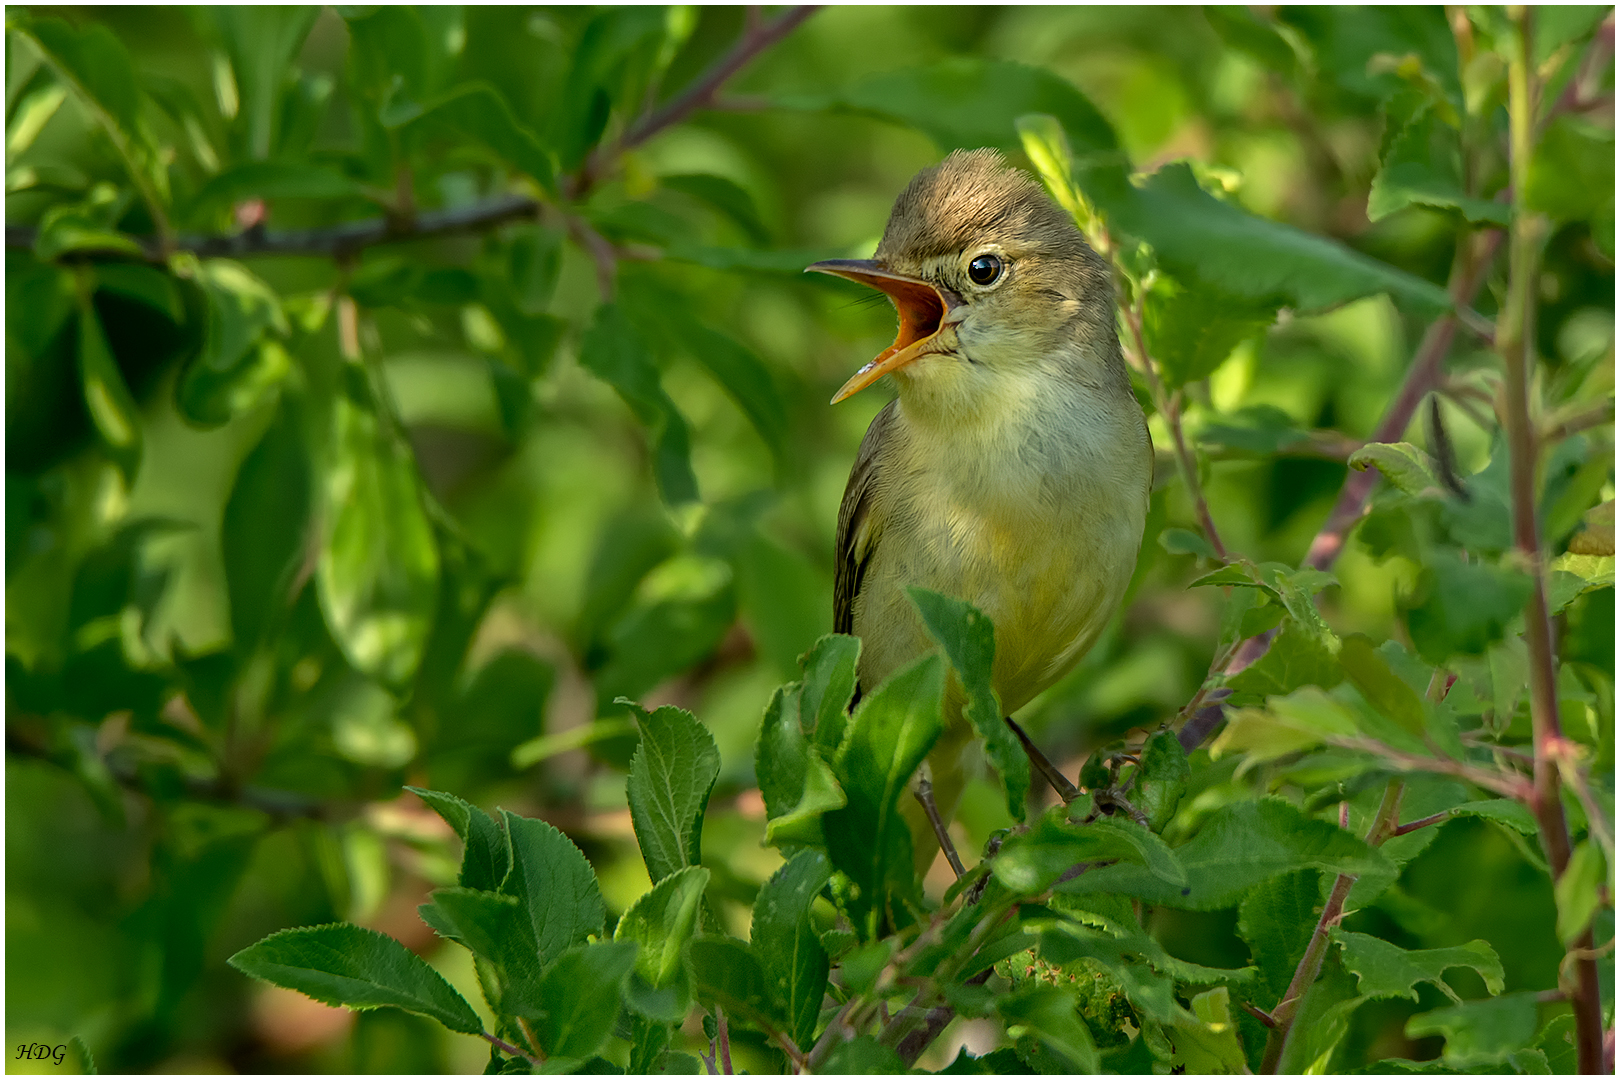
x: 974, y: 197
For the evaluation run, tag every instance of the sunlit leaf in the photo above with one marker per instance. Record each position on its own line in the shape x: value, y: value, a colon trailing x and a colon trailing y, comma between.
x: 671, y: 774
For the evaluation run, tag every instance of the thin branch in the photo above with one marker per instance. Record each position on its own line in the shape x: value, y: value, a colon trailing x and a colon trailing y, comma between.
x: 336, y: 241
x: 1310, y: 965
x: 1596, y: 416
x: 507, y: 1048
x: 1258, y: 1013
x: 755, y: 39
x: 722, y: 1037
x: 1422, y: 823
x: 1043, y: 765
x: 1516, y: 341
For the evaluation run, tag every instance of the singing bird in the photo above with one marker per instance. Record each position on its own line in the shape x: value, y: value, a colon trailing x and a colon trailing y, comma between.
x: 1013, y: 470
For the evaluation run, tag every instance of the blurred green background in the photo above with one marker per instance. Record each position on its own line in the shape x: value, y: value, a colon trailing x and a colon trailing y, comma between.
x: 563, y: 579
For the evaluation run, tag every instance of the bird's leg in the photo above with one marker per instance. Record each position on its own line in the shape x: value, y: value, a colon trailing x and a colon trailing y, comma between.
x: 1050, y: 772
x: 925, y: 795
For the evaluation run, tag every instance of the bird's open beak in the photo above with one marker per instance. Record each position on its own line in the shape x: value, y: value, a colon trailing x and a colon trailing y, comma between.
x: 921, y: 306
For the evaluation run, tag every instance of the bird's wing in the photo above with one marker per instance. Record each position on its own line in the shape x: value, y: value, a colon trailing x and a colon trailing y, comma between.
x: 857, y: 531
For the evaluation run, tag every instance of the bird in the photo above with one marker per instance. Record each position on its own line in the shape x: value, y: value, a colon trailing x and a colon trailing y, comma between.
x: 1014, y: 467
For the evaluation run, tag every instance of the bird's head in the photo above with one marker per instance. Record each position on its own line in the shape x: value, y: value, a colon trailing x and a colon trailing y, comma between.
x: 993, y: 285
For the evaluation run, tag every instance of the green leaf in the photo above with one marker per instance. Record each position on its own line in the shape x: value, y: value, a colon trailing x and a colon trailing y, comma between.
x: 1463, y: 607
x: 1287, y: 725
x: 1210, y: 244
x: 1191, y: 333
x: 612, y: 351
x: 829, y: 683
x: 555, y: 885
x: 262, y: 44
x: 1032, y: 862
x: 494, y: 927
x: 786, y: 942
x: 533, y: 258
x: 240, y: 361
x: 1186, y: 542
x: 967, y: 102
x: 1161, y: 779
x: 743, y: 376
x: 725, y: 196
x: 579, y: 995
x: 1209, y: 1044
x: 1277, y: 919
x: 66, y: 228
x: 1321, y: 1022
x: 969, y: 640
x: 1422, y: 164
x: 863, y: 1055
x: 1404, y: 465
x: 671, y: 774
x: 1572, y: 171
x: 1050, y: 1014
x: 94, y: 63
x: 1577, y: 890
x: 1571, y: 576
x: 888, y: 737
x: 486, y: 852
x: 1384, y: 690
x: 377, y: 574
x: 1239, y: 846
x: 1298, y: 657
x: 1262, y: 430
x: 478, y: 110
x: 1479, y: 1032
x: 725, y: 972
x: 1509, y: 813
x: 343, y: 964
x: 794, y: 778
x: 273, y: 180
x: 661, y: 922
x: 1383, y: 970
x: 106, y: 395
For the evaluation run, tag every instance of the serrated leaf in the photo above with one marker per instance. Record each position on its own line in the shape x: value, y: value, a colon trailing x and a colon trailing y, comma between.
x: 612, y: 351
x: 969, y: 641
x: 343, y: 964
x: 1384, y: 970
x: 967, y: 102
x: 486, y: 852
x: 1577, y: 890
x: 1277, y: 919
x: 785, y: 940
x: 1298, y: 657
x: 1378, y: 683
x: 1478, y: 1032
x: 888, y: 737
x: 1571, y: 576
x: 494, y: 926
x: 725, y: 972
x: 794, y: 779
x: 555, y: 885
x: 1051, y: 1015
x: 1238, y: 847
x: 1032, y: 862
x: 1192, y: 332
x: 1422, y: 165
x: 671, y: 774
x: 1209, y: 1043
x: 1463, y: 607
x: 579, y: 997
x: 377, y: 574
x: 661, y: 922
x: 1509, y: 813
x: 863, y: 1055
x: 829, y: 683
x: 1287, y: 725
x: 1161, y: 778
x: 1404, y: 465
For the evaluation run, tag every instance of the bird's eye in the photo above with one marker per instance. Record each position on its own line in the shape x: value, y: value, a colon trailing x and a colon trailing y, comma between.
x: 985, y: 270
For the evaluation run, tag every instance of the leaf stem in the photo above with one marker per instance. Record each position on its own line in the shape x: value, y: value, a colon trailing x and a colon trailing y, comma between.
x: 722, y: 1037
x: 507, y: 1048
x: 1310, y: 965
x: 1516, y: 341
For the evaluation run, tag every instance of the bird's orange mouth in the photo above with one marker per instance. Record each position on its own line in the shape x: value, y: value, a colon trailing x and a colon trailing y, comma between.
x: 920, y: 305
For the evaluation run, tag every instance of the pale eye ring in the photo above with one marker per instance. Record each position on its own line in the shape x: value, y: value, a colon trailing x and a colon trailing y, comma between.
x: 985, y: 269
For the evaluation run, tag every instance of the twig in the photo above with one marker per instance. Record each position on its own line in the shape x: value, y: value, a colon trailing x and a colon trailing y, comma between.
x: 722, y: 1036
x: 1043, y: 765
x: 1516, y: 341
x: 336, y: 241
x: 1258, y: 1013
x: 508, y: 1048
x: 1310, y: 965
x: 601, y: 252
x: 1422, y: 823
x: 1596, y: 416
x: 755, y: 39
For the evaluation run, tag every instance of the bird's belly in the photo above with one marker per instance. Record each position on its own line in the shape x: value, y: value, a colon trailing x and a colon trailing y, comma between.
x: 1049, y: 577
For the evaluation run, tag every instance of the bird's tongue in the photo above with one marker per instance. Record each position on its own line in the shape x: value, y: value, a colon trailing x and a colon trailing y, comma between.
x: 920, y: 308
